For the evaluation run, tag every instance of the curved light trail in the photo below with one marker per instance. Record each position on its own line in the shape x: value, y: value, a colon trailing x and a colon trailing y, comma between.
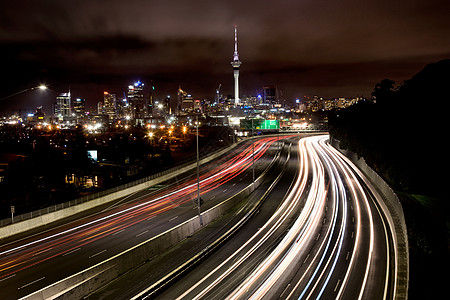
x: 19, y: 256
x: 328, y: 251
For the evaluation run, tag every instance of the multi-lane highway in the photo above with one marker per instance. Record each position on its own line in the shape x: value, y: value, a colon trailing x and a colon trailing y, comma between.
x: 327, y: 239
x: 36, y: 261
x: 318, y: 232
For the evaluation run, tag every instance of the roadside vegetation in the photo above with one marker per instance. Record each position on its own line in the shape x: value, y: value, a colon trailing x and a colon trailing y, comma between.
x: 401, y: 135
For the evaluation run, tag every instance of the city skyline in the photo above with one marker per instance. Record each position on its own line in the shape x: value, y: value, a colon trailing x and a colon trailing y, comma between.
x: 334, y: 50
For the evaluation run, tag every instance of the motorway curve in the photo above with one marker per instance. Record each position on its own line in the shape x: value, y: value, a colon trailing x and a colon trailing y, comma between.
x: 320, y: 234
x: 326, y: 240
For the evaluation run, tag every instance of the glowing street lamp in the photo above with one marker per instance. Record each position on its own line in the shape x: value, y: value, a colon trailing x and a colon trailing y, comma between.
x: 150, y: 135
x: 198, y: 177
x: 41, y: 87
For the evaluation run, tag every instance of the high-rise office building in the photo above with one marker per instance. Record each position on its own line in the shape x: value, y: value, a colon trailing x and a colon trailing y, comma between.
x: 188, y: 103
x: 63, y: 106
x: 181, y: 95
x: 109, y: 105
x: 79, y: 108
x: 174, y: 105
x: 136, y: 100
x: 270, y: 95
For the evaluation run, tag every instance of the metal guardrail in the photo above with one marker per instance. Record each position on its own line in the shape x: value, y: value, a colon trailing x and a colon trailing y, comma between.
x: 309, y: 128
x: 60, y: 206
x: 56, y: 207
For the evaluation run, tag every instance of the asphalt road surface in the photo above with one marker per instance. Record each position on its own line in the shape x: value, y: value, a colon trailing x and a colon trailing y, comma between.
x: 318, y: 232
x: 326, y: 238
x: 33, y: 262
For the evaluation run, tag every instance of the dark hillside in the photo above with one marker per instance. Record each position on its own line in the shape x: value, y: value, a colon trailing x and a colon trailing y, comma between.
x: 402, y: 135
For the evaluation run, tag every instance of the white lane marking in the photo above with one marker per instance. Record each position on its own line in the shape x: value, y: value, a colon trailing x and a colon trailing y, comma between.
x: 30, y: 283
x: 337, y: 284
x: 144, y: 232
x: 7, y: 277
x: 306, y: 258
x: 75, y: 250
x: 94, y: 255
x: 117, y: 232
x: 173, y: 218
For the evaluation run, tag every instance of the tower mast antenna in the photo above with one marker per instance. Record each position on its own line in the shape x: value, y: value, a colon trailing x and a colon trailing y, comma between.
x: 236, y: 55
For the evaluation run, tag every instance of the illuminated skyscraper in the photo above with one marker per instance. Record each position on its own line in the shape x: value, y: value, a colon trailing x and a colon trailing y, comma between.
x: 109, y: 104
x: 236, y: 63
x: 63, y: 106
x: 79, y: 108
x: 137, y: 101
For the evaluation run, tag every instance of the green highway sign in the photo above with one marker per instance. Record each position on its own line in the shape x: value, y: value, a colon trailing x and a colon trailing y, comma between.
x: 259, y: 124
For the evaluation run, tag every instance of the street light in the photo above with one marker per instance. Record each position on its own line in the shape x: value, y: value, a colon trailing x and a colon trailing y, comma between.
x: 41, y: 87
x: 150, y: 135
x: 253, y: 152
x: 198, y: 178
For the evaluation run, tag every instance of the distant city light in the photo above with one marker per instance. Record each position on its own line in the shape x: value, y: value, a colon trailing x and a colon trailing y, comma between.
x: 93, y: 154
x: 93, y: 127
x: 300, y: 125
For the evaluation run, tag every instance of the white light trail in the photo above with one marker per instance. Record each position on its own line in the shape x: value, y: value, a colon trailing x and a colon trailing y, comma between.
x: 246, y: 160
x: 316, y: 160
x: 259, y: 238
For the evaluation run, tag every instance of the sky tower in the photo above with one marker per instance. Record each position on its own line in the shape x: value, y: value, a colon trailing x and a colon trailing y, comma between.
x: 236, y: 63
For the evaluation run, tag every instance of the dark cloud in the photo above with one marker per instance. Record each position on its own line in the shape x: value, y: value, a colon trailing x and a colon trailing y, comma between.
x: 331, y: 48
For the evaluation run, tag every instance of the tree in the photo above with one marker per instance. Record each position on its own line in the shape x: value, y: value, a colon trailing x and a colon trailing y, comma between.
x: 383, y: 90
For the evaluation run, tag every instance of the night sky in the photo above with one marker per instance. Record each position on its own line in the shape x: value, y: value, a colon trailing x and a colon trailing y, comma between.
x: 336, y: 48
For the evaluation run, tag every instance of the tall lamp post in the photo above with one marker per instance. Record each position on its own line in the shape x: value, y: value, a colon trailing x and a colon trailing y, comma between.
x: 198, y: 178
x: 253, y: 151
x: 39, y: 87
